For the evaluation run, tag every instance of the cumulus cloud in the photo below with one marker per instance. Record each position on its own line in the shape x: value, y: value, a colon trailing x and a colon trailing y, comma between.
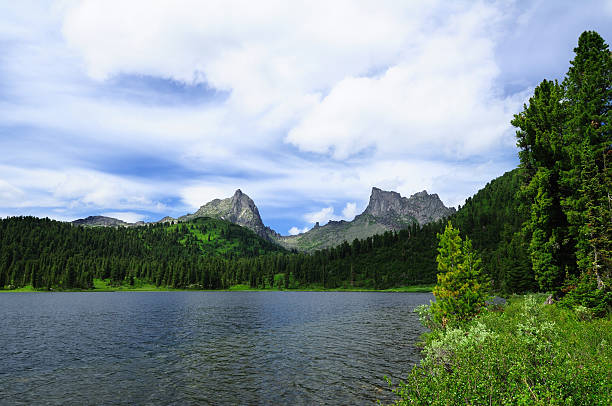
x: 295, y: 230
x: 308, y: 67
x: 320, y: 216
x: 327, y: 213
x: 304, y: 106
x: 350, y: 211
x: 262, y: 52
x: 442, y: 99
x: 127, y: 216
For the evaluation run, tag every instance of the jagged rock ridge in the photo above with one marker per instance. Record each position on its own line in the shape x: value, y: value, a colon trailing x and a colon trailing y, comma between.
x: 395, y: 211
x: 386, y: 211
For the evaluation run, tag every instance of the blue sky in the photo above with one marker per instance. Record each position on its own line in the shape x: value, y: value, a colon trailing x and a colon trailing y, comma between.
x: 143, y: 109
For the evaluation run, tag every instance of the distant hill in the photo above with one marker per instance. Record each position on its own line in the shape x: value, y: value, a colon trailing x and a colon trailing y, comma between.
x: 49, y: 254
x: 492, y: 219
x: 104, y: 222
x: 216, y: 237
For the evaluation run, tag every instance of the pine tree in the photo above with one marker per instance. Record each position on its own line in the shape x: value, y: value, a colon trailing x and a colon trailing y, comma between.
x: 543, y: 160
x: 588, y: 142
x: 462, y: 288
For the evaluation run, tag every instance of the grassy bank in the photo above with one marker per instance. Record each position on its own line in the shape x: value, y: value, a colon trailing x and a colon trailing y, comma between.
x: 140, y: 286
x: 319, y: 288
x: 523, y: 353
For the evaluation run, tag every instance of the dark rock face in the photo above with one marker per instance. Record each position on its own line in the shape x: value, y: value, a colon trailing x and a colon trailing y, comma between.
x: 396, y: 212
x: 238, y: 209
x: 101, y: 221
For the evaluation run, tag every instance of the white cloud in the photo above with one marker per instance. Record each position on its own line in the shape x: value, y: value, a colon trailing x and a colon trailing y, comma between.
x: 308, y: 68
x: 350, y: 211
x: 442, y: 99
x: 127, y: 216
x: 10, y: 194
x: 322, y: 216
x: 76, y: 189
x: 327, y: 213
x: 295, y: 230
x: 263, y: 52
x: 321, y: 100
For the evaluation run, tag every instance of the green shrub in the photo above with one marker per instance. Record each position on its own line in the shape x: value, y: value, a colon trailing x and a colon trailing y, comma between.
x: 528, y: 354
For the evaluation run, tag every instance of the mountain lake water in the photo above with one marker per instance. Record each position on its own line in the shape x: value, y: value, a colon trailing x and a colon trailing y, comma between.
x: 268, y: 348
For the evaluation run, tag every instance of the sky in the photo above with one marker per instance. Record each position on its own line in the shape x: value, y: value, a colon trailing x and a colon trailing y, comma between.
x: 145, y: 108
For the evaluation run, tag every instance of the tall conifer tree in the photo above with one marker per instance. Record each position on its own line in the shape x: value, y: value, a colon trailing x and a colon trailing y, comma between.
x: 588, y: 142
x: 565, y: 141
x: 542, y: 157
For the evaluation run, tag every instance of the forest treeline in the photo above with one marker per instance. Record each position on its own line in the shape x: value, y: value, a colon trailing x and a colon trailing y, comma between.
x: 213, y: 254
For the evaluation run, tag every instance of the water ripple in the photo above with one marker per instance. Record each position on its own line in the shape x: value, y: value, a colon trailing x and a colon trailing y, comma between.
x: 205, y: 347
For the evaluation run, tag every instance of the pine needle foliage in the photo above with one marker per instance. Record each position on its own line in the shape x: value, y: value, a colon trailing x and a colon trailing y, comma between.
x: 462, y: 289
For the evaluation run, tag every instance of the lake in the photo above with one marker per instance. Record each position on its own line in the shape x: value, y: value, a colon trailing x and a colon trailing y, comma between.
x: 205, y: 347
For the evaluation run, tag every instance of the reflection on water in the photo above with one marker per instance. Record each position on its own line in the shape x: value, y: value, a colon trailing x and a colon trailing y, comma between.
x: 205, y: 347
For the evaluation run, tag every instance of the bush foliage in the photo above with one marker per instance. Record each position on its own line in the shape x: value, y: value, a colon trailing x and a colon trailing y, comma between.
x: 530, y: 353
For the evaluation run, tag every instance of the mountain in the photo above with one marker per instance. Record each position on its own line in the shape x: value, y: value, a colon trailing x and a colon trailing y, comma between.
x: 386, y: 211
x: 333, y: 233
x: 216, y: 254
x: 199, y: 254
x: 104, y: 222
x: 396, y: 212
x: 167, y: 219
x: 238, y: 209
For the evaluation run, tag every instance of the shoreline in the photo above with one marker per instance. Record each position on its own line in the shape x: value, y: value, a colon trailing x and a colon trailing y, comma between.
x: 238, y: 288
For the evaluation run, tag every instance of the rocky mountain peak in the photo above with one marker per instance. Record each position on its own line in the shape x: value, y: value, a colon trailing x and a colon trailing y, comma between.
x: 381, y: 202
x: 238, y: 209
x: 395, y: 211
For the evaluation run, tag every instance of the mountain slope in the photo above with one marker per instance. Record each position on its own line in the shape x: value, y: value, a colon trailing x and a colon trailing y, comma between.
x: 238, y: 209
x: 386, y: 211
x: 215, y: 237
x: 333, y: 233
x: 212, y: 253
x: 104, y: 221
x: 492, y: 219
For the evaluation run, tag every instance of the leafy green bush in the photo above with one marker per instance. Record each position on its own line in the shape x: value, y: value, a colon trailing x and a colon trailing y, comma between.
x: 528, y: 354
